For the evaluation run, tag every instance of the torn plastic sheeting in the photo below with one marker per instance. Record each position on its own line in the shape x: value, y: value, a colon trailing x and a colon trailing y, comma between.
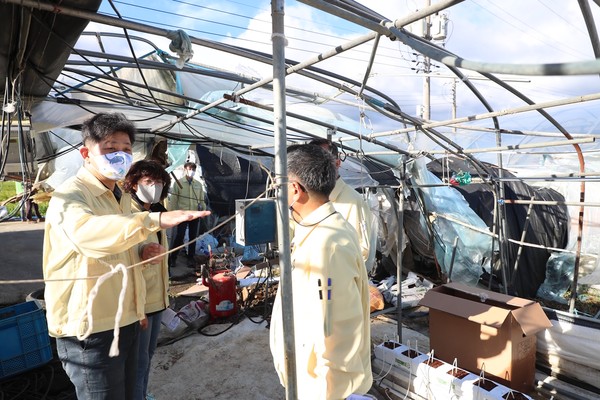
x: 182, y: 45
x: 177, y: 153
x: 383, y: 205
x: 559, y: 275
x: 474, y: 249
x: 414, y: 288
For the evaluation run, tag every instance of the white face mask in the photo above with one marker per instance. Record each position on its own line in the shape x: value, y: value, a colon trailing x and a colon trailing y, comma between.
x: 149, y: 194
x: 113, y: 166
x: 190, y: 173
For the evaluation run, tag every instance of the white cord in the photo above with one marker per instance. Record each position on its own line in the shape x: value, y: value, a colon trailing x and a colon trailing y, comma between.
x: 380, y: 376
x: 114, y: 348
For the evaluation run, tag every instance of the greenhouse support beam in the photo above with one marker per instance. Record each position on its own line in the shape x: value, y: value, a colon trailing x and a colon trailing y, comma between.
x: 513, y: 277
x: 493, y: 235
x: 369, y: 66
x: 588, y: 17
x: 553, y: 203
x: 283, y: 228
x: 519, y: 132
x: 552, y: 69
x: 112, y: 21
x: 555, y: 143
x: 323, y: 56
x: 391, y: 29
x: 377, y: 26
x: 566, y: 175
x: 392, y: 148
x: 477, y: 117
x: 454, y: 247
x: 399, y: 253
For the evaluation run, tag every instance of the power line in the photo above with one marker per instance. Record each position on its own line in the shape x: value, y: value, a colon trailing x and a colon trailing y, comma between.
x: 575, y: 27
x: 538, y: 35
x: 302, y: 39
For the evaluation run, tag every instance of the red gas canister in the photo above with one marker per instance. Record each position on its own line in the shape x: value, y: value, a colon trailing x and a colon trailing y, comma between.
x: 222, y: 300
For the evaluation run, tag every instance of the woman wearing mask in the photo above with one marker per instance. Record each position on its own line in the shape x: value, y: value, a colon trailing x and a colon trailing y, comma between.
x: 148, y: 183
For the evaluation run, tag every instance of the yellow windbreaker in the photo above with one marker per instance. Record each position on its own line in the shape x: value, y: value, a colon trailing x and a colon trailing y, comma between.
x: 156, y: 275
x: 331, y: 311
x: 87, y: 232
x: 355, y: 210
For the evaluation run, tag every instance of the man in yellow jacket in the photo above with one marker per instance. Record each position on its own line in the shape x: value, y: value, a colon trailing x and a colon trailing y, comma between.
x: 353, y: 208
x: 90, y: 232
x: 329, y: 285
x: 187, y: 194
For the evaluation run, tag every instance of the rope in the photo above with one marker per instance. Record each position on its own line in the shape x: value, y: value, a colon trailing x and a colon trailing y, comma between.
x: 87, y: 317
x: 114, y: 347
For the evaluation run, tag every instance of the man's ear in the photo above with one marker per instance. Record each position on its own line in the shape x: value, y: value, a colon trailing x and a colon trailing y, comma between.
x: 84, y: 151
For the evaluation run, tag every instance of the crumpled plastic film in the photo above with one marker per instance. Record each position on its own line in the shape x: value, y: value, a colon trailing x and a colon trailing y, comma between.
x: 182, y: 45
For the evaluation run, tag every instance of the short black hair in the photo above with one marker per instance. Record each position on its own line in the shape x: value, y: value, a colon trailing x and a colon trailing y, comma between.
x: 313, y: 167
x: 326, y: 143
x: 147, y: 168
x: 103, y: 125
x: 190, y: 165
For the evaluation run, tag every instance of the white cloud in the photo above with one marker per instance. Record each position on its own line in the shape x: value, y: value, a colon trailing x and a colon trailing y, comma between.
x: 513, y: 31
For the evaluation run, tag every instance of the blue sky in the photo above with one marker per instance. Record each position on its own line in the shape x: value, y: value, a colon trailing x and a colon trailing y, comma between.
x: 536, y: 31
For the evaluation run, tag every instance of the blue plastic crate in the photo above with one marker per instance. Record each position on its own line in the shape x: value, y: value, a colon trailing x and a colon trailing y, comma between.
x: 24, y: 340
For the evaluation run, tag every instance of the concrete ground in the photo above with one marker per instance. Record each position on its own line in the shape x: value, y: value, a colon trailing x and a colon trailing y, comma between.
x: 20, y: 260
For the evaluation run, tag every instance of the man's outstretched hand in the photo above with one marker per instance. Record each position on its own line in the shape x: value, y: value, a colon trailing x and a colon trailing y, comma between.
x: 169, y: 219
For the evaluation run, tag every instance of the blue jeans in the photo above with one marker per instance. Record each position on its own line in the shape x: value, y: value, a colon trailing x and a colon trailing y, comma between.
x: 95, y: 375
x: 147, y: 345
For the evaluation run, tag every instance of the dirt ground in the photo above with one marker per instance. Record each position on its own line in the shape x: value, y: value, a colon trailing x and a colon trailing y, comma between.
x: 236, y: 364
x: 231, y: 359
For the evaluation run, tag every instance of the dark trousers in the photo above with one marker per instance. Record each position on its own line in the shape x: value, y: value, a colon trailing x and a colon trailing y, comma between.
x: 30, y: 206
x: 177, y: 240
x: 95, y: 375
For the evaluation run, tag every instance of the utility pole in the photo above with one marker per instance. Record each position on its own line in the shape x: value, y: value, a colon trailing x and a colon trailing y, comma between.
x: 454, y: 102
x: 426, y: 70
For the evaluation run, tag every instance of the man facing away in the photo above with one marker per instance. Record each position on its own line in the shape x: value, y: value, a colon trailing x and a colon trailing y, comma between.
x: 91, y: 231
x: 329, y: 286
x: 190, y: 196
x: 353, y: 207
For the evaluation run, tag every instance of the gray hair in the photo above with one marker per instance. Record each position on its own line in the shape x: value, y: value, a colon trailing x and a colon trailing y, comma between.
x: 313, y: 167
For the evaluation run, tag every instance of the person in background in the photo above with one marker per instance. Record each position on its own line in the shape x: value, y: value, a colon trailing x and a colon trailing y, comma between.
x: 188, y: 194
x: 90, y: 232
x: 329, y: 285
x: 148, y: 183
x: 30, y: 204
x: 353, y: 207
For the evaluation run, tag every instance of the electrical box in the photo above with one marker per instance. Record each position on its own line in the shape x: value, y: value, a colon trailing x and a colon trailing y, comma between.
x: 256, y: 223
x: 439, y: 26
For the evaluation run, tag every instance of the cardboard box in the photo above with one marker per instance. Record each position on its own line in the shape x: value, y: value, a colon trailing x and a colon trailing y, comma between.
x: 485, y: 331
